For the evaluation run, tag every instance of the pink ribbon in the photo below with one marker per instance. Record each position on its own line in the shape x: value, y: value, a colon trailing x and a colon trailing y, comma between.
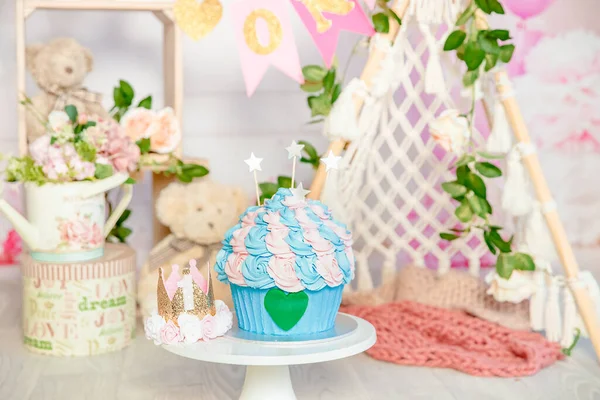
x: 355, y: 21
x: 284, y: 57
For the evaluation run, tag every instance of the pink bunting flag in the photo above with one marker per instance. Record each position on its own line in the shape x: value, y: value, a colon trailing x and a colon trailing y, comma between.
x: 325, y: 18
x: 265, y: 37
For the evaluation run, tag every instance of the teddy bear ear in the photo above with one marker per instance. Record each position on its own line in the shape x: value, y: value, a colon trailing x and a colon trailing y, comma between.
x: 89, y: 59
x: 30, y: 53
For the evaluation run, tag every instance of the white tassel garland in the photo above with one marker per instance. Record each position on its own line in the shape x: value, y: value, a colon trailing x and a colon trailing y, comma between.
x: 500, y: 140
x: 537, y: 237
x: 434, y: 76
x: 516, y: 199
x: 552, y: 313
x: 569, y: 318
x: 536, y: 304
x: 342, y: 121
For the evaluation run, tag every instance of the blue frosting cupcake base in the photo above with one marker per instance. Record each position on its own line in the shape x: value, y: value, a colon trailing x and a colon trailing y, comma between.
x: 319, y: 316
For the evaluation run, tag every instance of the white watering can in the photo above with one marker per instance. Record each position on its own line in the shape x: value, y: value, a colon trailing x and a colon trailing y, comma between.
x: 66, y: 222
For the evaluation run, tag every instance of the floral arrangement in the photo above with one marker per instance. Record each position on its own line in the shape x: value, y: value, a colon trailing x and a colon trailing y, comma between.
x: 479, y: 49
x: 81, y: 231
x: 189, y: 328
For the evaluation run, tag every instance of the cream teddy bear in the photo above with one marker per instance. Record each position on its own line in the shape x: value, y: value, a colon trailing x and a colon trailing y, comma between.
x: 59, y: 68
x: 198, y: 215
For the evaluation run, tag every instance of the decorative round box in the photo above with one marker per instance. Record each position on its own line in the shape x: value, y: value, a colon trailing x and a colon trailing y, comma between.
x: 80, y: 309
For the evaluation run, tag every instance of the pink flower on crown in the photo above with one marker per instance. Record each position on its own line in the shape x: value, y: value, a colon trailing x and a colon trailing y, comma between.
x: 329, y: 269
x: 283, y: 271
x: 210, y: 328
x: 169, y: 333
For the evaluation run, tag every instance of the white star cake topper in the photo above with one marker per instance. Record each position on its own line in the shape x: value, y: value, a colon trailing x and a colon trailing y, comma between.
x: 294, y: 150
x: 331, y: 161
x: 253, y: 163
x: 299, y: 192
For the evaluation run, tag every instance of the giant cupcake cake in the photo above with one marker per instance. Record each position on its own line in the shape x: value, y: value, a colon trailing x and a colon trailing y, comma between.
x: 287, y: 262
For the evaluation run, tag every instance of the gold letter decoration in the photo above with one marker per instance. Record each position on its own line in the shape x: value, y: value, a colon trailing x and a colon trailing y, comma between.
x: 197, y: 19
x: 316, y: 8
x: 273, y: 25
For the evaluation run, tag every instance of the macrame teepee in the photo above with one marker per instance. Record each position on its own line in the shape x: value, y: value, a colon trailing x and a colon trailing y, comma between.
x: 388, y: 185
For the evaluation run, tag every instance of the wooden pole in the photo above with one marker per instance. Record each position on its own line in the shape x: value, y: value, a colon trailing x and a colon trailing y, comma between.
x: 371, y: 68
x: 21, y: 67
x: 544, y: 196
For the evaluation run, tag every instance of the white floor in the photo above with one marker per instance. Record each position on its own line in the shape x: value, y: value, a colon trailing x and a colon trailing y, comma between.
x: 146, y: 372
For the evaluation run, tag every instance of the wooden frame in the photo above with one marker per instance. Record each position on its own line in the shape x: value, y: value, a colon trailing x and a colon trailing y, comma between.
x: 172, y: 64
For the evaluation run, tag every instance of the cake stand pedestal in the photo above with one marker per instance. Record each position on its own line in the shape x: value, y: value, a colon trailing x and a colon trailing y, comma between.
x: 268, y: 361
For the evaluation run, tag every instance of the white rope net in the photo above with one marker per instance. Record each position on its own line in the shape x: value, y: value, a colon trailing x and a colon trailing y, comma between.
x: 388, y: 186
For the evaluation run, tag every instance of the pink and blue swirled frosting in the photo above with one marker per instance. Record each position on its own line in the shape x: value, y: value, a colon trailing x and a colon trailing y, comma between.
x: 289, y: 243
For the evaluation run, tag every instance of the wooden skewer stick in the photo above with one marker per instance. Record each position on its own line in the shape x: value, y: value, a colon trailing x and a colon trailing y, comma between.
x: 544, y: 196
x: 371, y: 68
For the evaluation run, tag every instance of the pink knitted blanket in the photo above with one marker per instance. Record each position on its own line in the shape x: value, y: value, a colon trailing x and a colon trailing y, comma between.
x: 411, y: 333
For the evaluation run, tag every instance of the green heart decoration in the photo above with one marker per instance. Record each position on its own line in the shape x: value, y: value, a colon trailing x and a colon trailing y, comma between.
x: 285, y: 309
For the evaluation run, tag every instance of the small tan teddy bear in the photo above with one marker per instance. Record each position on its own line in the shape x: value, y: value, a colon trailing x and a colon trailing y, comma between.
x: 198, y: 214
x: 59, y: 68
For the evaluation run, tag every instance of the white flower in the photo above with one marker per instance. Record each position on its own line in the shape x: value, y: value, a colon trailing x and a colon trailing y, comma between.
x: 152, y: 327
x: 451, y: 131
x: 190, y: 327
x: 520, y: 286
x: 58, y: 120
x: 224, y: 317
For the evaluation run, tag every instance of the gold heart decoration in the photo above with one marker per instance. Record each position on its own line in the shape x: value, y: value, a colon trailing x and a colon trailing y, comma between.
x: 197, y: 19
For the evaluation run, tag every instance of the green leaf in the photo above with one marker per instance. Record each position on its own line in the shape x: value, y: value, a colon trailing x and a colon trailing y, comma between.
x: 487, y: 44
x: 461, y: 174
x: 267, y: 189
x: 474, y: 56
x: 476, y: 184
x: 103, y: 171
x: 466, y: 15
x: 146, y: 103
x: 470, y: 77
x: 123, y: 217
x: 506, y: 52
x: 71, y: 111
x: 312, y: 87
x: 501, y: 244
x: 53, y: 140
x: 122, y: 233
x: 490, y: 61
x: 284, y: 181
x: 184, y: 177
x: 454, y: 41
x: 381, y: 23
x: 487, y: 207
x: 118, y: 98
x: 505, y: 265
x: 491, y: 156
x: 463, y: 212
x: 127, y: 92
x: 130, y: 181
x: 496, y: 6
x: 464, y: 160
x: 86, y: 151
x: 395, y: 16
x: 310, y: 150
x: 524, y: 262
x: 314, y: 73
x: 475, y: 204
x: 449, y: 236
x: 454, y: 188
x: 488, y: 170
x: 488, y: 242
x: 337, y: 90
x: 320, y: 105
x: 144, y: 145
x: 194, y: 170
x: 500, y: 34
x: 329, y: 80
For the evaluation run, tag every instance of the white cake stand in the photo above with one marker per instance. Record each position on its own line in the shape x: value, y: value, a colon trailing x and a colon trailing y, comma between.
x: 268, y: 361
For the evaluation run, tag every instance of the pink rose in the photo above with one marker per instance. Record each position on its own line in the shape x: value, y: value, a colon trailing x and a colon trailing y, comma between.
x: 136, y: 123
x: 82, y: 119
x: 164, y: 132
x: 233, y: 268
x: 169, y: 333
x: 328, y: 268
x: 210, y: 328
x: 38, y: 149
x: 283, y: 272
x: 96, y: 235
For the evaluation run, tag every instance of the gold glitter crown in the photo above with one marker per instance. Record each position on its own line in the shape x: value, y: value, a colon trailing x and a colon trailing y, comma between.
x: 171, y: 308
